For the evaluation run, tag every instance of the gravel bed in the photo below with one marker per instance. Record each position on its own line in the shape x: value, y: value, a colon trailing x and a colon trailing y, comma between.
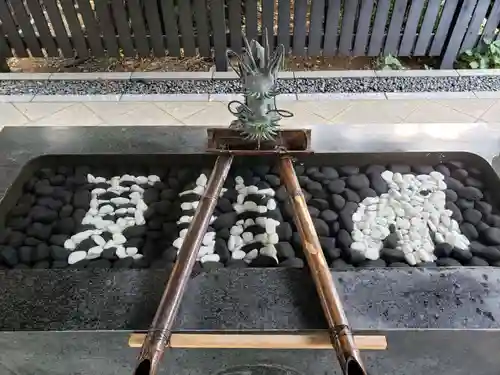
x: 375, y: 216
x: 230, y: 86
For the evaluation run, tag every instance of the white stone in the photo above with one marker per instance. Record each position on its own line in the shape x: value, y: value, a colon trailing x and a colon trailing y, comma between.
x: 99, y: 240
x: 240, y: 222
x: 96, y: 250
x: 273, y: 238
x: 247, y: 237
x: 269, y: 251
x: 252, y: 189
x: 232, y: 243
x: 128, y: 178
x: 199, y: 190
x: 184, y: 219
x: 94, y: 203
x: 271, y: 205
x: 178, y: 243
x: 98, y: 191
x: 139, y: 218
x: 79, y: 237
x: 152, y: 178
x: 236, y: 230
x: 270, y: 226
x: 262, y: 209
x: 120, y: 200
x: 186, y: 206
x: 210, y: 258
x: 239, y: 180
x: 69, y: 244
x: 121, y: 211
x: 76, y: 256
x: 251, y: 255
x: 250, y: 206
x: 208, y: 241
x: 357, y: 236
x: 268, y: 192
x: 121, y: 252
x: 372, y: 253
x: 240, y: 199
x: 107, y: 209
x: 131, y: 251
x: 201, y: 180
x: 411, y: 259
x: 248, y: 223
x: 238, y: 254
x: 261, y: 238
x: 387, y: 176
x: 261, y: 221
x: 238, y: 208
x: 436, y: 175
x: 109, y: 244
x: 119, y: 238
x: 359, y: 246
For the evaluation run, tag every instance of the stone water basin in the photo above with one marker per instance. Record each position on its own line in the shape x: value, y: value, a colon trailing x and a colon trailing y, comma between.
x: 370, y: 211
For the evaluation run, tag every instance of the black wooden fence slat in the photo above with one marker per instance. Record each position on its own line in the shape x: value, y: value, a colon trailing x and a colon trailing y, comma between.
x: 472, y: 34
x: 394, y: 33
x: 186, y: 27
x: 75, y: 28
x: 299, y: 27
x: 170, y: 22
x: 284, y: 24
x: 316, y: 27
x: 268, y: 20
x: 154, y: 27
x: 219, y: 33
x: 492, y: 22
x: 105, y: 22
x: 5, y: 50
x: 138, y: 27
x: 363, y: 31
x: 92, y: 28
x: 458, y: 33
x: 43, y: 29
x: 443, y: 27
x: 202, y: 33
x: 10, y: 28
x: 251, y: 19
x: 378, y: 33
x: 347, y: 31
x: 24, y: 23
x: 426, y: 29
x: 235, y: 24
x: 60, y: 33
x: 122, y: 27
x: 410, y: 31
x: 332, y: 28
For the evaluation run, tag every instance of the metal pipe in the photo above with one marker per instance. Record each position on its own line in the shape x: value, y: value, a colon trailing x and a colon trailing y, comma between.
x: 159, y: 333
x: 340, y: 333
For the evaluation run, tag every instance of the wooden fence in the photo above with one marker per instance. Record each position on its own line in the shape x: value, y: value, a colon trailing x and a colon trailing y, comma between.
x: 114, y: 28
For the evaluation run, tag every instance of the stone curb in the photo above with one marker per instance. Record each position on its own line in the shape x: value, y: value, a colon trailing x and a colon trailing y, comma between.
x: 231, y: 75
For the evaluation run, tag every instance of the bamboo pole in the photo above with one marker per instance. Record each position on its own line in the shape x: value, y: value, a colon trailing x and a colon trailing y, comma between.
x: 340, y: 332
x: 158, y: 336
x: 314, y: 340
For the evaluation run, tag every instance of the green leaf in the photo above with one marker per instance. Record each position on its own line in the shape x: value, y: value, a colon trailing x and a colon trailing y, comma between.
x: 468, y: 52
x: 474, y: 64
x: 483, y: 63
x: 487, y: 41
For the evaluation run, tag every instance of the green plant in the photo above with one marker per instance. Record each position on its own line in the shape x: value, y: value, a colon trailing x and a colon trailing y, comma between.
x: 389, y: 62
x: 486, y: 55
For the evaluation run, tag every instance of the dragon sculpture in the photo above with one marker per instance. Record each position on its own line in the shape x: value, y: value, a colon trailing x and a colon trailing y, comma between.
x: 257, y: 68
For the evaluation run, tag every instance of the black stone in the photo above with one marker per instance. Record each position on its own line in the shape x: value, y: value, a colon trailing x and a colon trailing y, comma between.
x: 443, y: 169
x: 456, y: 213
x: 374, y: 169
x: 320, y: 204
x: 109, y: 253
x: 483, y: 207
x: 493, y: 220
x: 222, y: 250
x: 367, y: 192
x: 79, y: 214
x: 66, y: 211
x: 391, y: 241
x: 399, y: 265
x: 31, y: 241
x: 461, y: 255
x: 472, y: 216
x: 334, y: 227
x: 224, y: 205
x: 303, y: 180
x: 273, y: 180
x: 448, y: 262
x: 223, y: 233
x: 135, y: 231
x: 251, y: 246
x: 474, y: 182
x: 41, y: 252
x: 348, y: 170
x: 236, y: 263
x: 460, y: 174
x: 470, y: 193
x: 43, y: 189
x: 57, y: 264
x: 336, y: 186
x: 464, y: 204
x: 26, y: 254
x: 469, y: 231
x: 422, y: 169
x: 330, y: 173
x: 65, y: 226
x: 285, y: 250
x: 378, y: 184
x: 427, y: 265
x: 43, y: 215
x: 328, y: 245
x: 490, y: 253
x: 338, y: 202
x: 81, y: 199
x: 51, y: 203
x: 21, y: 209
x: 263, y: 261
x: 351, y: 196
x: 443, y: 250
x: 257, y: 229
x: 451, y: 195
x: 392, y: 255
x: 9, y: 256
x: 313, y: 211
x: 169, y: 255
x: 99, y: 263
x: 491, y: 236
x: 329, y: 216
x: 134, y: 242
x: 316, y: 190
x: 85, y: 245
x: 481, y: 226
x: 344, y: 239
x: 340, y: 265
x: 321, y: 227
x: 43, y: 264
x: 281, y: 194
x: 477, y: 262
x: 454, y: 184
x: 345, y: 220
x: 373, y: 263
x: 358, y: 181
x: 400, y: 168
x: 355, y: 257
x: 19, y: 223
x: 292, y: 263
x: 318, y: 176
x: 284, y: 231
